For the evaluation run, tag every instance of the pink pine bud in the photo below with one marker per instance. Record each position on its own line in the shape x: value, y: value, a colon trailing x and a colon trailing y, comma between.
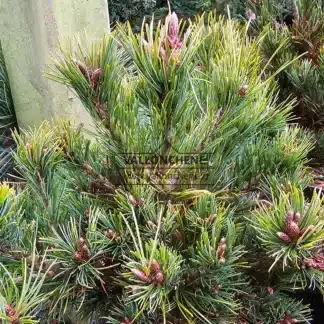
x: 132, y: 200
x: 177, y: 235
x: 159, y: 278
x: 125, y: 321
x: 151, y: 224
x: 10, y: 311
x: 85, y: 253
x: 83, y: 69
x: 297, y: 217
x: 276, y: 24
x: 290, y: 217
x: 162, y: 53
x: 217, y: 289
x: 250, y: 14
x: 140, y: 275
x: 155, y: 267
x: 293, y: 231
x: 173, y: 26
x: 141, y: 202
x: 316, y: 262
x: 306, y: 229
x: 77, y: 257
x: 87, y: 167
x: 110, y: 234
x: 80, y: 243
x: 87, y: 212
x: 222, y: 260
x: 242, y: 90
x: 284, y: 237
x: 95, y: 78
x: 222, y: 247
x: 221, y: 250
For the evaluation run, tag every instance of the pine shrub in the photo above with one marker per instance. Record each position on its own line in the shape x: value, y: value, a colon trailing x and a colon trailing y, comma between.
x: 185, y: 204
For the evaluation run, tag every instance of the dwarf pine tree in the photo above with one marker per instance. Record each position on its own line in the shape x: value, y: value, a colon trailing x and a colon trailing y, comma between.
x: 185, y: 204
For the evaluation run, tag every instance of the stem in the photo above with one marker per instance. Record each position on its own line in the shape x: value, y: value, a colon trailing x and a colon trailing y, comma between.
x: 167, y: 137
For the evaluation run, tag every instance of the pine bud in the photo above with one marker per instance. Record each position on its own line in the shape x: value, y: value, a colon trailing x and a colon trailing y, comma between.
x: 80, y: 243
x: 222, y: 260
x: 87, y: 167
x: 283, y: 187
x: 95, y: 78
x: 276, y: 24
x: 155, y: 267
x: 87, y: 212
x: 270, y: 291
x: 163, y: 54
x: 290, y: 217
x: 177, y: 235
x: 132, y: 200
x: 83, y: 69
x: 140, y: 275
x: 284, y: 237
x: 293, y: 231
x: 250, y: 14
x: 159, y: 278
x: 242, y: 90
x: 174, y: 26
x: 141, y: 202
x: 30, y: 149
x: 10, y: 311
x: 151, y: 224
x: 125, y: 321
x: 306, y: 230
x: 222, y: 247
x: 316, y: 262
x: 287, y: 319
x: 217, y: 289
x: 295, y: 13
x: 77, y: 257
x: 85, y: 253
x: 50, y: 275
x: 111, y: 234
x: 297, y: 218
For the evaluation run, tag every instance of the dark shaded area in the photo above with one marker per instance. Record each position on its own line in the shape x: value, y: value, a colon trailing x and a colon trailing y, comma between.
x: 315, y: 299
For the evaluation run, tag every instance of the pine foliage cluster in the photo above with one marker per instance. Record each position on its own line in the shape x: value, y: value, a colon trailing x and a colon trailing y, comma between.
x: 92, y: 237
x: 300, y: 26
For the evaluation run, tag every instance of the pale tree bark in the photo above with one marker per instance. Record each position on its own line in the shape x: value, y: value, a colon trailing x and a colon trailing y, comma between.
x: 30, y: 31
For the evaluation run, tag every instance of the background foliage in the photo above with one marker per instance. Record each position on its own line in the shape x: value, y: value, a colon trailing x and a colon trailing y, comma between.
x: 7, y: 119
x: 135, y: 10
